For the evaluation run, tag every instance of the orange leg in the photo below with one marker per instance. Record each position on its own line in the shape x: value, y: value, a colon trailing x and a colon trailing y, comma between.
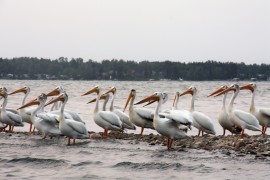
x: 12, y: 128
x: 142, y: 130
x: 68, y: 141
x: 171, y: 143
x: 202, y: 133
x: 168, y: 143
x: 242, y: 133
x: 9, y: 128
x: 199, y: 133
x: 30, y: 129
x: 265, y: 129
x: 73, y: 141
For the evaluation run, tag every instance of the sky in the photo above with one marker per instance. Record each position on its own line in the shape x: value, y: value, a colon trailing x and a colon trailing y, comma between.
x: 154, y: 30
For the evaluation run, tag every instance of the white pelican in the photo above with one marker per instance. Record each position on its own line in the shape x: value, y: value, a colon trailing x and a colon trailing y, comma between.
x: 123, y: 117
x: 105, y: 119
x: 240, y: 118
x: 202, y: 122
x: 45, y: 126
x: 141, y: 117
x: 164, y: 126
x: 8, y: 117
x: 68, y: 114
x: 25, y: 113
x: 223, y: 117
x: 69, y: 127
x: 262, y: 114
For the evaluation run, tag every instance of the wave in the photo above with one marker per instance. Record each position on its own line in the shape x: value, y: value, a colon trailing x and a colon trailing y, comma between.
x: 149, y: 166
x: 38, y: 162
x: 87, y: 163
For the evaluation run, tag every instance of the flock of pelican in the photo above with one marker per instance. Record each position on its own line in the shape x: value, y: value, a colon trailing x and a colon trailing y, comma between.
x: 172, y: 124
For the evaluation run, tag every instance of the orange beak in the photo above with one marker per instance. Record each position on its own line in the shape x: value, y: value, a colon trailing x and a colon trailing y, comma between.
x: 216, y: 91
x: 189, y: 91
x: 30, y: 103
x: 148, y: 99
x: 128, y: 99
x: 103, y: 96
x: 53, y: 100
x: 247, y: 87
x: 54, y: 92
x: 94, y: 90
x: 225, y: 91
x: 112, y: 90
x: 18, y: 91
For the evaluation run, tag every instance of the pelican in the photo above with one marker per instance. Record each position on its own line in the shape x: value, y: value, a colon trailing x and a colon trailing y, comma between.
x: 68, y: 114
x: 123, y: 117
x: 105, y: 119
x: 164, y: 126
x: 8, y: 117
x: 45, y: 126
x: 202, y: 122
x: 262, y: 114
x: 25, y: 113
x: 223, y: 117
x: 240, y: 118
x: 141, y: 117
x: 69, y: 127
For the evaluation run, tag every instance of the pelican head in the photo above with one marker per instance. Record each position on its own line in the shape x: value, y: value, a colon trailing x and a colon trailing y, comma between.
x: 103, y: 96
x: 131, y: 95
x: 63, y: 97
x: 111, y: 90
x: 250, y: 86
x: 192, y: 90
x: 222, y: 88
x: 233, y: 87
x: 56, y: 91
x: 41, y: 98
x: 96, y: 89
x: 3, y: 92
x: 165, y: 99
x: 24, y: 90
x: 153, y: 98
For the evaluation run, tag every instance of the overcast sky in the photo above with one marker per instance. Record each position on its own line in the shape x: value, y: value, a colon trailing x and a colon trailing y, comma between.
x: 155, y: 30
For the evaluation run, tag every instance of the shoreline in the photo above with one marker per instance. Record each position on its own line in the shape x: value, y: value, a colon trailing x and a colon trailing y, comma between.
x: 230, y: 145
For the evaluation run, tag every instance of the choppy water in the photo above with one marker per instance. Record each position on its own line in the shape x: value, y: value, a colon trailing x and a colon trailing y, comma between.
x: 29, y: 157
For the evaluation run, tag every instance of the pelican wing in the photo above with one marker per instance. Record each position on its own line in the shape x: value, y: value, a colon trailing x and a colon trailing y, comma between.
x: 12, y: 110
x: 246, y: 117
x: 14, y: 117
x: 53, y: 118
x: 265, y: 111
x: 204, y: 121
x: 76, y: 126
x: 145, y: 113
x: 111, y: 118
x: 181, y: 117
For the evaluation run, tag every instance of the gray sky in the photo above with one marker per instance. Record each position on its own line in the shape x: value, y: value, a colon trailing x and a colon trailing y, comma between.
x: 177, y: 30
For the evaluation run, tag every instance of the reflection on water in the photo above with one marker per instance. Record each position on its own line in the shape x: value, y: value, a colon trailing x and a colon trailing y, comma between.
x: 24, y: 156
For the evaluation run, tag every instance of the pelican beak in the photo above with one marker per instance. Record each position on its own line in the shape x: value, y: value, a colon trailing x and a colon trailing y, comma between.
x: 18, y: 91
x: 174, y: 100
x: 30, y: 103
x: 103, y: 96
x: 54, y: 92
x: 95, y: 89
x: 216, y: 91
x: 148, y: 99
x: 128, y: 99
x: 150, y: 102
x: 247, y: 87
x: 1, y: 94
x: 93, y: 100
x: 225, y: 91
x: 53, y: 100
x: 112, y: 90
x: 189, y: 91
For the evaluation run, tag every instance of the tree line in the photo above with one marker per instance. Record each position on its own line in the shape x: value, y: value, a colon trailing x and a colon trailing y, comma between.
x: 78, y: 69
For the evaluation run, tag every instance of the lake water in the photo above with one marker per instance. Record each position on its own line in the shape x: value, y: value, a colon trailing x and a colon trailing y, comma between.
x: 24, y: 156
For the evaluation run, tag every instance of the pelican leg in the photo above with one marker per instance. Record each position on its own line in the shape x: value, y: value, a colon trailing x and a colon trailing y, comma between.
x: 9, y: 128
x: 104, y: 133
x: 171, y: 143
x: 30, y: 128
x: 199, y: 133
x: 142, y: 130
x: 224, y: 132
x: 73, y: 141
x: 265, y: 129
x: 68, y: 141
x: 168, y: 143
x: 242, y: 133
x: 12, y: 128
x: 202, y: 132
